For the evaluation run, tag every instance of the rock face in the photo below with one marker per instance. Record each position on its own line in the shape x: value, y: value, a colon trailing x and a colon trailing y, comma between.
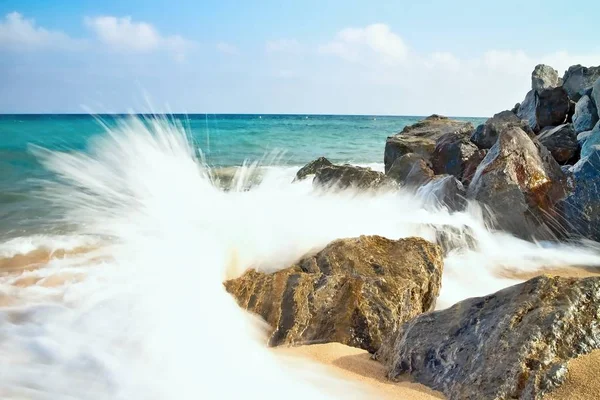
x: 595, y: 95
x: 578, y: 78
x: 527, y: 109
x: 544, y: 77
x: 355, y: 291
x: 312, y: 167
x: 521, y: 182
x: 471, y: 166
x: 561, y: 141
x: 421, y: 137
x: 486, y: 135
x: 512, y: 344
x: 581, y: 208
x: 451, y: 154
x: 589, y: 140
x: 444, y: 191
x: 411, y: 170
x: 552, y: 107
x: 348, y: 176
x: 586, y: 115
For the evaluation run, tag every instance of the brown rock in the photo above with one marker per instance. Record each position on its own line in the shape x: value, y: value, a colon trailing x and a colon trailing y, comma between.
x: 312, y: 167
x: 561, y: 141
x: 347, y: 176
x: 451, y: 153
x: 411, y: 170
x: 485, y: 135
x: 355, y: 291
x: 471, y: 166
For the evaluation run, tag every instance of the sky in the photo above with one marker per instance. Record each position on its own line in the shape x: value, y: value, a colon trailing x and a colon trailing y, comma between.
x: 458, y: 58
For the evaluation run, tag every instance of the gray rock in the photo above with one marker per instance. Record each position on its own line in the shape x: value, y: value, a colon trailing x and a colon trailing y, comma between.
x: 590, y: 140
x: 544, y: 77
x: 520, y: 182
x: 552, y: 108
x: 527, y: 109
x: 513, y: 344
x: 443, y: 191
x: 595, y: 95
x: 349, y: 176
x: 561, y: 141
x: 583, y: 136
x: 471, y: 166
x: 586, y: 115
x: 578, y: 79
x: 410, y: 170
x: 451, y: 153
x: 485, y: 135
x: 312, y: 167
x: 421, y: 137
x: 581, y: 209
x: 356, y: 291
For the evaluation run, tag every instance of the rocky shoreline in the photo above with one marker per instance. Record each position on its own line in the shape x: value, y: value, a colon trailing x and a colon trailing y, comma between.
x: 536, y: 170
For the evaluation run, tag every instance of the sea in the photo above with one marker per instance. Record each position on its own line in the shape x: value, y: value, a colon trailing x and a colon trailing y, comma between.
x: 117, y: 232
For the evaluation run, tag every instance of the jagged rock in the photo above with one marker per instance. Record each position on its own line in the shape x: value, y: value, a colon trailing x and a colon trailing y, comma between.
x: 552, y: 107
x: 578, y: 79
x: 520, y: 182
x: 586, y: 115
x: 515, y: 109
x: 471, y: 166
x: 411, y: 170
x: 486, y: 135
x: 451, y: 154
x: 561, y: 141
x: 589, y: 140
x: 443, y: 191
x: 513, y: 344
x: 527, y: 109
x: 581, y: 209
x: 346, y: 176
x: 595, y: 95
x: 420, y: 138
x: 355, y: 291
x: 312, y: 167
x: 544, y: 77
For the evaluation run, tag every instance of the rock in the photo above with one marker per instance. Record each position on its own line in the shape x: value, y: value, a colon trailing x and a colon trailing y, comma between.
x: 595, y: 95
x: 527, y: 109
x: 552, y: 107
x: 355, y: 291
x: 347, y: 176
x: 544, y: 77
x: 581, y: 209
x: 586, y: 115
x: 561, y: 141
x: 451, y: 154
x: 420, y: 138
x: 312, y: 167
x: 486, y: 135
x: 513, y: 344
x: 443, y: 191
x: 515, y: 109
x: 471, y: 166
x: 520, y: 182
x: 590, y: 140
x: 451, y: 238
x: 578, y: 78
x: 411, y: 170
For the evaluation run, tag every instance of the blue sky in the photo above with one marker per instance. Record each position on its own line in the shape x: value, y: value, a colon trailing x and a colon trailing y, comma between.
x: 369, y: 57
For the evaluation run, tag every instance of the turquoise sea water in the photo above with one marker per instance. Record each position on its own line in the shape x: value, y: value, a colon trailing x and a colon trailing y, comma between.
x: 225, y: 141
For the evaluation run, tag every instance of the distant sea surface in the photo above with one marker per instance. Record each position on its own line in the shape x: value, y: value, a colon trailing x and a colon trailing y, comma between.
x: 224, y: 140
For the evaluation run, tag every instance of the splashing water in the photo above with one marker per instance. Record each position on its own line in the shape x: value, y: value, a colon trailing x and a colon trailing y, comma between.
x: 145, y: 316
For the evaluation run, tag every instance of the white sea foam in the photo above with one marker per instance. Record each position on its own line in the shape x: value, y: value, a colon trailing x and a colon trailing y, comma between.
x: 151, y: 319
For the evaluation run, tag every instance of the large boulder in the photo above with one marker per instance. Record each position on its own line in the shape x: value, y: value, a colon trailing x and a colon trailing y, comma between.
x: 349, y: 176
x: 578, y: 79
x: 421, y: 137
x: 544, y: 77
x: 443, y: 191
x: 451, y: 154
x: 595, y: 95
x: 513, y: 344
x: 589, y: 140
x: 312, y: 167
x: 471, y: 166
x: 561, y: 141
x: 552, y: 107
x: 581, y: 209
x: 586, y: 115
x: 527, y: 109
x: 355, y: 291
x: 520, y: 182
x: 411, y: 170
x: 486, y: 134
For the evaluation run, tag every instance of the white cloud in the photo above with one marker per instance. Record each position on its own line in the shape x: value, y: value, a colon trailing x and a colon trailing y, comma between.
x: 227, y: 48
x: 123, y: 34
x: 18, y: 33
x: 283, y: 46
x: 355, y: 44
